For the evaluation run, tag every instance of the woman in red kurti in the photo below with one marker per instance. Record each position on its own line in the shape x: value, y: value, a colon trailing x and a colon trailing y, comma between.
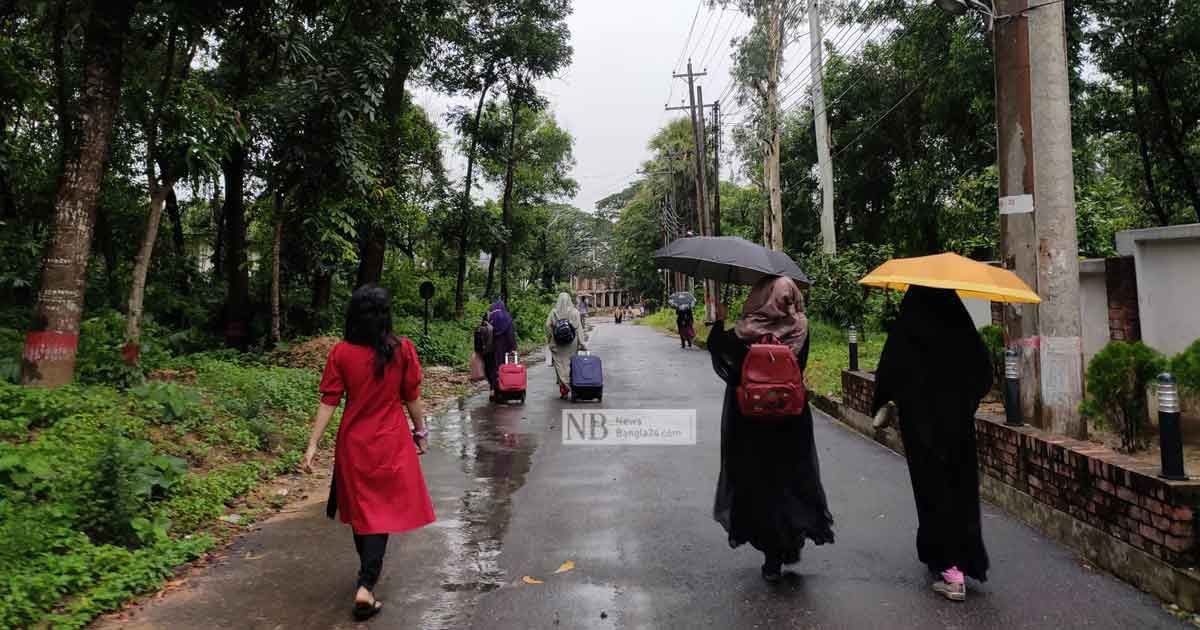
x: 377, y: 482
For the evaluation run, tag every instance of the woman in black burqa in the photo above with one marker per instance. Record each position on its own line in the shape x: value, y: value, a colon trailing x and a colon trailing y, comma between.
x: 936, y: 369
x: 769, y: 493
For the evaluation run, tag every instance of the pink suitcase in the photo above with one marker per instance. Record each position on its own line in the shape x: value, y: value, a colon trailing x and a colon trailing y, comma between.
x: 511, y: 379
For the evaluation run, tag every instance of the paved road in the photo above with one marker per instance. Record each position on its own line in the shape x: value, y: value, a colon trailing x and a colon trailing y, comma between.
x: 513, y: 501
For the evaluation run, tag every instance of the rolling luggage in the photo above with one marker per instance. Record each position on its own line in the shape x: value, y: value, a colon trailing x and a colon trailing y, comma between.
x: 510, y: 381
x: 587, y: 377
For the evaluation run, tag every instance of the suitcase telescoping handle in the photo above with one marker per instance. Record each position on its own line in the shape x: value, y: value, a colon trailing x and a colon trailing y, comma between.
x: 512, y: 357
x: 584, y: 353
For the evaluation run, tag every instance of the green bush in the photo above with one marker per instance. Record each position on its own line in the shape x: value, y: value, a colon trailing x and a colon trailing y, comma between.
x: 993, y: 338
x: 1117, y: 379
x: 1186, y: 368
x: 99, y: 358
x: 835, y: 295
x: 95, y: 504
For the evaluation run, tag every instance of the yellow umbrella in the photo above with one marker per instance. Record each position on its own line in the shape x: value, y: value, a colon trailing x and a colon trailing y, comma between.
x: 967, y: 277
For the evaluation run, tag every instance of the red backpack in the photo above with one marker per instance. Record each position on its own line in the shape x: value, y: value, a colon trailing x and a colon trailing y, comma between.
x: 772, y: 384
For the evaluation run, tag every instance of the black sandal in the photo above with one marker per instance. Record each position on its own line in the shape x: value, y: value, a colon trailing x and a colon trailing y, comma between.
x: 365, y: 610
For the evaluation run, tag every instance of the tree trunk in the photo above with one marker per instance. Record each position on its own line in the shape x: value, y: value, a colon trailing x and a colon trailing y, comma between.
x: 487, y: 290
x: 372, y: 250
x: 506, y: 205
x: 1183, y: 167
x: 322, y: 289
x: 176, y: 217
x: 237, y: 273
x: 1164, y: 218
x: 465, y: 210
x: 141, y: 268
x: 218, y: 221
x: 775, y: 61
x: 50, y: 346
x: 61, y: 91
x: 276, y: 323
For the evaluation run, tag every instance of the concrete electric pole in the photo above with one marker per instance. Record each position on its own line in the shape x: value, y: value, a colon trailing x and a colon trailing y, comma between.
x: 1037, y: 208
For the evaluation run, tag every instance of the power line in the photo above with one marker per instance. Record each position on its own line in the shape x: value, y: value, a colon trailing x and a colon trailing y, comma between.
x: 708, y: 14
x: 689, y: 37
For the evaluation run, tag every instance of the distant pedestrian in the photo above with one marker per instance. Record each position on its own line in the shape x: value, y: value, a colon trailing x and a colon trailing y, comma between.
x: 377, y: 482
x: 937, y: 369
x: 583, y: 311
x: 685, y: 325
x: 504, y: 341
x: 564, y: 334
x: 769, y: 493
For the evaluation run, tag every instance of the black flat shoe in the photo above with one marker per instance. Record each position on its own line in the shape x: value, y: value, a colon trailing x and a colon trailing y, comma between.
x: 365, y: 610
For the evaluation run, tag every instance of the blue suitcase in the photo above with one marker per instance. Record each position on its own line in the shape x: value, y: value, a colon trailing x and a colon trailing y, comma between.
x: 587, y: 377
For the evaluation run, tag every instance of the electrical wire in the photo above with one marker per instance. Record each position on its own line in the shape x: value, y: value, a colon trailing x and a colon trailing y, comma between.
x: 878, y: 120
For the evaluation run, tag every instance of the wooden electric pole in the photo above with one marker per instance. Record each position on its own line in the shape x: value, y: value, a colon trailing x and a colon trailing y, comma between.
x: 1037, y: 209
x: 817, y: 41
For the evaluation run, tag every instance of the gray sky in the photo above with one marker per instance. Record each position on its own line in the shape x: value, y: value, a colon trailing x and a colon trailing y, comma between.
x: 611, y: 98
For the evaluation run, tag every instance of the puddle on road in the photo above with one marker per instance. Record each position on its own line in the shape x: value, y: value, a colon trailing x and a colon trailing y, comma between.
x: 493, y: 445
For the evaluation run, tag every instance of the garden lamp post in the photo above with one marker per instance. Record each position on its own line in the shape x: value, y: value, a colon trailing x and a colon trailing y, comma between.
x: 852, y: 337
x: 1170, y: 434
x: 1012, y: 389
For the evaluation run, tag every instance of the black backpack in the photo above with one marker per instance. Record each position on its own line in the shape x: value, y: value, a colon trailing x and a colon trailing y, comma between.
x: 564, y: 332
x: 485, y: 341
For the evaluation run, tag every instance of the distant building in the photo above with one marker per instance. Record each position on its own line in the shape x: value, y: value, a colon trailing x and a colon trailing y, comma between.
x: 601, y: 292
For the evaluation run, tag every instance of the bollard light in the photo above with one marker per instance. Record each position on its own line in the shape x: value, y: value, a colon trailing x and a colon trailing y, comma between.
x: 1170, y: 433
x: 1012, y: 389
x: 852, y: 336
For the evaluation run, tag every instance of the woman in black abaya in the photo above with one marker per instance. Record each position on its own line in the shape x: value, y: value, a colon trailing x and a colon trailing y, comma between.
x: 769, y: 493
x: 937, y: 369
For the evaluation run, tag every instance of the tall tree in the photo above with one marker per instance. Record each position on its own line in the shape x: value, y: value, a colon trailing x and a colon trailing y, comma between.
x: 49, y: 356
x: 518, y: 40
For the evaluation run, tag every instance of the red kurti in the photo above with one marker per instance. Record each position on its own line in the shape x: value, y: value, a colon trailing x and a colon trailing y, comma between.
x: 380, y: 488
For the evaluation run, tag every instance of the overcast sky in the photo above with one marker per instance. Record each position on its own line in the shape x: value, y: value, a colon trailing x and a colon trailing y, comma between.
x: 611, y: 98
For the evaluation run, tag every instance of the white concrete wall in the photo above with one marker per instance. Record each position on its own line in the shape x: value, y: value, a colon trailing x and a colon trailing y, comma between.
x: 1168, y: 277
x: 1093, y: 307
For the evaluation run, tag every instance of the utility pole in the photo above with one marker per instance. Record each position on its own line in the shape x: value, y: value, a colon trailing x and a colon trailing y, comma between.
x: 773, y: 225
x: 828, y: 233
x: 716, y: 209
x: 698, y: 138
x: 1037, y: 209
x: 696, y: 108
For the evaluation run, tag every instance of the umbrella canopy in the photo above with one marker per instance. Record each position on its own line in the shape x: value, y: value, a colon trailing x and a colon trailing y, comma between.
x: 969, y: 278
x: 682, y: 299
x: 726, y: 259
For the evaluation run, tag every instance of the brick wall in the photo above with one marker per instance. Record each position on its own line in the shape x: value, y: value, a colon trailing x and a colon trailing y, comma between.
x: 1120, y: 276
x: 858, y: 388
x: 1095, y: 485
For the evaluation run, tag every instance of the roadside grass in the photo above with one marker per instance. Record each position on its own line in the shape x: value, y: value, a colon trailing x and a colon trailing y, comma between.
x: 828, y: 352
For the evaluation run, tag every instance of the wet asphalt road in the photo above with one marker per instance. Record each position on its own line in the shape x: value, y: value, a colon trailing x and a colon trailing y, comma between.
x: 513, y: 501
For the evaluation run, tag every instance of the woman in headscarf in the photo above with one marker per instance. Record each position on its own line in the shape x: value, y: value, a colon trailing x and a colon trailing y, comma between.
x: 769, y: 493
x: 684, y: 323
x: 562, y: 352
x: 504, y: 340
x: 936, y: 369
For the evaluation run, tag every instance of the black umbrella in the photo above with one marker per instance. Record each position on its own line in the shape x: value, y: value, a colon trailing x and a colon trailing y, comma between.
x: 727, y: 259
x: 682, y: 299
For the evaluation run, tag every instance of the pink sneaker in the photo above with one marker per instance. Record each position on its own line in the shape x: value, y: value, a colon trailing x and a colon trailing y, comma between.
x: 952, y: 586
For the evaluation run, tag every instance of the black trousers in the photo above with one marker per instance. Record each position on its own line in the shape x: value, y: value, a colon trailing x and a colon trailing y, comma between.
x: 371, y: 548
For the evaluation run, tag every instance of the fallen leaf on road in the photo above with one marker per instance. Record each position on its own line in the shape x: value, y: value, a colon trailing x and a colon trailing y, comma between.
x: 530, y: 580
x: 566, y: 566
